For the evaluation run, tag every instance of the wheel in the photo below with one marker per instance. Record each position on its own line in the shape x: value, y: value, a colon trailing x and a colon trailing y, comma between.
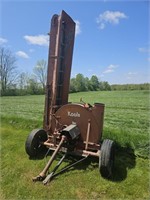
x: 106, y: 158
x: 32, y: 145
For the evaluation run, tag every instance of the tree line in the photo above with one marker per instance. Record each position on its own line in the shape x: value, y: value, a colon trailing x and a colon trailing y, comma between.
x: 143, y: 86
x: 81, y: 83
x: 14, y: 83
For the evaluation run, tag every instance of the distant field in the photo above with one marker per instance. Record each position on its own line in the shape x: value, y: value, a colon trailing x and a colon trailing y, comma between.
x: 126, y: 114
x: 126, y: 122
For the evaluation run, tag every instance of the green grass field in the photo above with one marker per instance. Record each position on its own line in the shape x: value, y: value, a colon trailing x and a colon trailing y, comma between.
x: 126, y: 122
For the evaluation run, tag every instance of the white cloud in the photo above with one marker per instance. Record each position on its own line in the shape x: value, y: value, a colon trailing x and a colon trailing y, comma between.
x: 111, y: 68
x: 144, y: 50
x: 108, y: 71
x: 22, y: 54
x: 101, y: 26
x: 3, y: 40
x: 42, y: 40
x: 78, y: 28
x: 109, y: 17
x: 131, y: 75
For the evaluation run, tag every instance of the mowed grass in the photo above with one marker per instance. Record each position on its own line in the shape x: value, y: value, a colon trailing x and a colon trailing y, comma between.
x: 126, y: 122
x: 126, y: 115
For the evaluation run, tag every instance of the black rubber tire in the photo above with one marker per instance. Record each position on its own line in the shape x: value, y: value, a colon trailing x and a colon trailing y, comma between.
x: 32, y: 145
x: 106, y: 158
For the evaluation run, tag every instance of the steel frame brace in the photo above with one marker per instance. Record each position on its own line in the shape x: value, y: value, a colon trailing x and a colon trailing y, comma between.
x: 51, y: 175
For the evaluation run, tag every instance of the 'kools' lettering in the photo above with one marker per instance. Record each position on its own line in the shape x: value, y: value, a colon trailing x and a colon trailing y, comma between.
x: 73, y: 114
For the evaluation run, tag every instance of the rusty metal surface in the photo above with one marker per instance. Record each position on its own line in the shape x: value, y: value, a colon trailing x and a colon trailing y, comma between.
x: 44, y: 171
x: 58, y: 112
x: 73, y: 128
x: 59, y: 64
x: 80, y: 115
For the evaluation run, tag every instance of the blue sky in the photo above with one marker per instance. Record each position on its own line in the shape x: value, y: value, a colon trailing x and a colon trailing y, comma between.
x: 112, y: 37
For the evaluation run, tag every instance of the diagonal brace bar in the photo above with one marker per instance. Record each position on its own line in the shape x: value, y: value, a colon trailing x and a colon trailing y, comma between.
x: 49, y: 176
x: 42, y: 175
x: 68, y: 167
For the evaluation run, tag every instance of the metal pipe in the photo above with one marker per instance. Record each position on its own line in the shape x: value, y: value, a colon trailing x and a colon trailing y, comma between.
x: 88, y: 134
x: 49, y: 177
x: 43, y: 173
x: 86, y: 153
x: 68, y: 167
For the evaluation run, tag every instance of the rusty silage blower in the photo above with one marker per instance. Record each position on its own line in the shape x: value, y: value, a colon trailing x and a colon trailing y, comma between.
x: 72, y: 128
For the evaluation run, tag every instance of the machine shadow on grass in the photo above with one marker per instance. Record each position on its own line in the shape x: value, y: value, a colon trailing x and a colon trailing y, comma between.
x: 125, y: 159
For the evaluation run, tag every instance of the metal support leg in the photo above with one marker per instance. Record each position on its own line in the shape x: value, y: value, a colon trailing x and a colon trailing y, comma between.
x: 49, y: 176
x: 42, y: 175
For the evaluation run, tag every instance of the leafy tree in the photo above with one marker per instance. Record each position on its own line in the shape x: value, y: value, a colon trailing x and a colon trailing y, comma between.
x: 23, y: 80
x: 8, y: 74
x: 40, y: 71
x: 72, y: 85
x: 80, y: 83
x: 106, y: 86
x: 87, y: 84
x: 94, y: 83
x: 32, y: 86
x: 144, y: 86
x: 101, y: 86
